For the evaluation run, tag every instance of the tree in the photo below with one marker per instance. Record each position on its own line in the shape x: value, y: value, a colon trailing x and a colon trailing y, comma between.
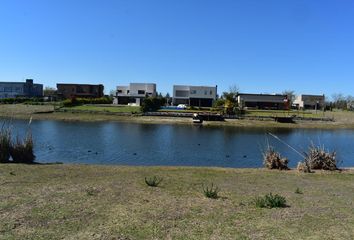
x: 152, y: 104
x: 230, y: 99
x: 290, y: 94
x: 49, y: 91
x: 168, y: 99
x: 339, y: 101
x: 291, y: 97
x: 112, y: 93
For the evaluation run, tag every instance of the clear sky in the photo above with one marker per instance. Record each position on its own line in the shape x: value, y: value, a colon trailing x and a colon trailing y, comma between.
x: 261, y: 45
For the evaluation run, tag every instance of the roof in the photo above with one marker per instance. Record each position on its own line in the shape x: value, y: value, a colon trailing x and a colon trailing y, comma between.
x: 261, y: 94
x: 194, y: 86
x: 76, y: 84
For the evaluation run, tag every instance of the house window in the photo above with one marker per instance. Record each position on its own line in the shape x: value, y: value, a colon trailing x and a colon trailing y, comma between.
x: 141, y: 91
x: 128, y: 91
x: 7, y: 89
x: 205, y: 92
x: 181, y: 93
x: 79, y: 89
x: 211, y: 92
x: 119, y: 91
x: 193, y: 91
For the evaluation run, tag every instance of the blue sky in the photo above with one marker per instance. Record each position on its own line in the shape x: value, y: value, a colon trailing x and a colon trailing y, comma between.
x: 261, y: 46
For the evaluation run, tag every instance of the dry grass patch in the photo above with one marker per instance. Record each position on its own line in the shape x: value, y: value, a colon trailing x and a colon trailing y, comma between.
x: 109, y: 202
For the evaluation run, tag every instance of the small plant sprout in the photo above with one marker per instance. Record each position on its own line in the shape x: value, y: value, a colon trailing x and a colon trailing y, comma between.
x: 270, y: 201
x: 298, y: 191
x: 211, y: 191
x: 153, y: 181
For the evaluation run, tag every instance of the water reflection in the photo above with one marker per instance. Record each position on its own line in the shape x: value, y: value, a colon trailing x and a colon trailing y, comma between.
x: 145, y: 144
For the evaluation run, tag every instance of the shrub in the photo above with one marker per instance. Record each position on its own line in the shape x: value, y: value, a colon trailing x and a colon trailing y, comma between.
x: 22, y: 150
x: 211, y: 192
x: 80, y: 101
x: 273, y: 160
x: 5, y: 144
x: 318, y: 158
x: 270, y: 201
x: 152, y: 104
x: 153, y: 181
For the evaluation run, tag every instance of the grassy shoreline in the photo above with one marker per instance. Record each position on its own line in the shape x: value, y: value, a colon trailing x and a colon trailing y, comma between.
x: 343, y: 120
x: 113, y: 202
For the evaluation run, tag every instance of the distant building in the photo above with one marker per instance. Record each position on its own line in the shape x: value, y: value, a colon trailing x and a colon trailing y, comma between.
x: 134, y: 93
x: 263, y: 101
x: 66, y: 90
x: 21, y: 89
x: 310, y: 101
x: 196, y: 96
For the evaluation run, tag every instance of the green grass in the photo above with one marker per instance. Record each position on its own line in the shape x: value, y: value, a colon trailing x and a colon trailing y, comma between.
x: 282, y: 113
x: 112, y: 202
x: 112, y: 109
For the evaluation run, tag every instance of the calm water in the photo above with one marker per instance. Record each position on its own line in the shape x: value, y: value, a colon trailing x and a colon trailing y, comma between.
x: 145, y: 144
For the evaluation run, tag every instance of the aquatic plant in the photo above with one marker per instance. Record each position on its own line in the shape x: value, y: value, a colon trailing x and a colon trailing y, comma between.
x: 21, y: 151
x: 5, y: 144
x: 304, y: 167
x: 319, y: 158
x: 273, y: 160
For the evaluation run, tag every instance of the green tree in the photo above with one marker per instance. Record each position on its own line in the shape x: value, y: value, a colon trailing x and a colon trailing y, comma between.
x: 152, y: 104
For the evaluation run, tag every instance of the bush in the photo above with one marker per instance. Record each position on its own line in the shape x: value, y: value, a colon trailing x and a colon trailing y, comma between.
x: 273, y: 160
x: 211, y: 192
x: 21, y: 100
x: 270, y: 201
x: 153, y: 181
x: 22, y: 150
x: 5, y: 144
x: 80, y: 101
x: 318, y: 158
x: 152, y: 104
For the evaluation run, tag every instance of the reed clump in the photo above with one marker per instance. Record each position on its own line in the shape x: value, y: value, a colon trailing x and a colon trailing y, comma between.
x: 273, y: 160
x: 319, y: 158
x: 18, y: 151
x: 21, y: 150
x: 5, y: 144
x: 304, y: 167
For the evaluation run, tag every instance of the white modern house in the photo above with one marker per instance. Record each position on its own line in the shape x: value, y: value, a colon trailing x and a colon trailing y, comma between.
x: 134, y: 93
x: 310, y: 101
x: 262, y: 101
x: 197, y: 96
x: 20, y: 89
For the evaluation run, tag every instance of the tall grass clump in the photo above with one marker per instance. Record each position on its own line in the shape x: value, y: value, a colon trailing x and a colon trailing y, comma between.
x: 5, y: 144
x: 270, y: 201
x: 273, y: 160
x: 211, y: 191
x: 21, y: 150
x: 318, y: 158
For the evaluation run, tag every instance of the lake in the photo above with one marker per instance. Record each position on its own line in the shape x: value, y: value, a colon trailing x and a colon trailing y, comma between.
x: 174, y: 145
